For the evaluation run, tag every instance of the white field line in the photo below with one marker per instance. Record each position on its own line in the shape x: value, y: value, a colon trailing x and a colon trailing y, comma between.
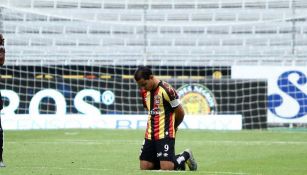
x: 127, y: 141
x: 135, y: 172
x: 62, y: 168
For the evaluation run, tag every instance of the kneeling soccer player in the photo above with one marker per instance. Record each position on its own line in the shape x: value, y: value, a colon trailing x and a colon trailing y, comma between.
x: 165, y: 115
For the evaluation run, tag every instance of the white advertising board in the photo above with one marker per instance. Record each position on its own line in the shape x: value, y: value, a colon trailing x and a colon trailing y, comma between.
x: 287, y: 90
x: 21, y: 122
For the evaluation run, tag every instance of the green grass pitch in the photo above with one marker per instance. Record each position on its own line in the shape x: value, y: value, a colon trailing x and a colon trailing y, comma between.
x: 97, y: 151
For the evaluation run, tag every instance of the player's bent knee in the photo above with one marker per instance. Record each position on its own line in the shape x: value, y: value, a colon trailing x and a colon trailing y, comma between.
x: 166, y: 165
x: 145, y: 165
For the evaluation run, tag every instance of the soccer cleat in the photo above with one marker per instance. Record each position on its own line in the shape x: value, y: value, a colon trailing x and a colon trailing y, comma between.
x: 2, y: 165
x: 191, y: 162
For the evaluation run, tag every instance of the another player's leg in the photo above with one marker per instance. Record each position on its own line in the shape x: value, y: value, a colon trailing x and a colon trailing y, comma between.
x: 1, y: 146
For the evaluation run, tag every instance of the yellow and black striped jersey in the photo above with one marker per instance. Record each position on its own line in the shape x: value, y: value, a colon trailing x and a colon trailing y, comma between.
x: 160, y: 104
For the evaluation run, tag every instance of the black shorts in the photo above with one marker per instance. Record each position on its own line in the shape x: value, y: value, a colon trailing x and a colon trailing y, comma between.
x: 158, y: 150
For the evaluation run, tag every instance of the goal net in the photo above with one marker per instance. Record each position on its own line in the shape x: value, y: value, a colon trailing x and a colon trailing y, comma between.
x: 105, y: 90
x: 78, y: 57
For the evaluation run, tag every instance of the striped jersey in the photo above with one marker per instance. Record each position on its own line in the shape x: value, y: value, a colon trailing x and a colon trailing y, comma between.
x: 160, y: 104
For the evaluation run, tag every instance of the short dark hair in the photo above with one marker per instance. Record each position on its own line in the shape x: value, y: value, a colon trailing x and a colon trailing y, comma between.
x: 142, y: 72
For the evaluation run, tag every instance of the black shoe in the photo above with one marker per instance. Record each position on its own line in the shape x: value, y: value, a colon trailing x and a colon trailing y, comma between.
x: 191, y: 162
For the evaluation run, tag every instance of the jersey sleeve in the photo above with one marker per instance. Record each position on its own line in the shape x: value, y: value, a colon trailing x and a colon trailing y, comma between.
x: 171, y: 95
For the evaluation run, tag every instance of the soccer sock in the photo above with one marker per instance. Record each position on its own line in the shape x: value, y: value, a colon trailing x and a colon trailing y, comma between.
x: 179, y: 163
x: 186, y: 155
x: 180, y: 160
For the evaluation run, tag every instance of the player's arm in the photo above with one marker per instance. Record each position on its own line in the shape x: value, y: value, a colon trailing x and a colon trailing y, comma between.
x: 179, y: 115
x: 2, y: 50
x: 173, y: 98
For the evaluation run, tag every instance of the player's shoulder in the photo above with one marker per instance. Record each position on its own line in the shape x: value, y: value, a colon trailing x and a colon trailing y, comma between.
x: 168, y: 89
x: 165, y: 84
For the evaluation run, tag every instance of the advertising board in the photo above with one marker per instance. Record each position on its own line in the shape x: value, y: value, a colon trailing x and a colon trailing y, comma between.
x: 287, y: 90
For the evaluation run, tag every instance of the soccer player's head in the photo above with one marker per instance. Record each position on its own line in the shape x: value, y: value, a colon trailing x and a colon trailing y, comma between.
x: 144, y: 78
x: 142, y: 72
